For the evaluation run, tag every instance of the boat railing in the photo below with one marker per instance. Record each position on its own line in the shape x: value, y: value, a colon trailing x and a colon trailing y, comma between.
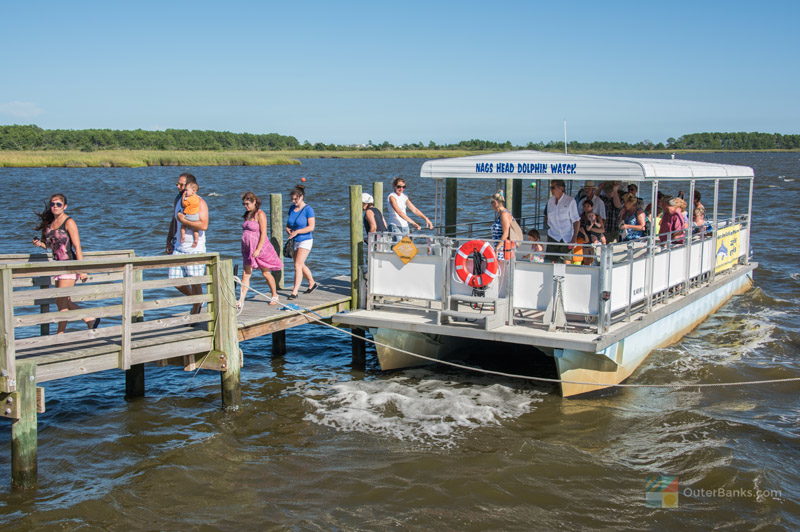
x: 589, y: 287
x: 483, y: 227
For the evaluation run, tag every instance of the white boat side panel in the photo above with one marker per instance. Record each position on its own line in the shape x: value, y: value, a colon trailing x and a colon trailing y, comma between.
x: 677, y: 266
x: 422, y: 278
x: 620, y: 290
x: 533, y: 287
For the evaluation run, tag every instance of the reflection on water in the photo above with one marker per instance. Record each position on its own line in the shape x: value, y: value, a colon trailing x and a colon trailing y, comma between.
x: 320, y: 443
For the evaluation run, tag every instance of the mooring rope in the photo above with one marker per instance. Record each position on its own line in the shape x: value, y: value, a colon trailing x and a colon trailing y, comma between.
x: 307, y: 312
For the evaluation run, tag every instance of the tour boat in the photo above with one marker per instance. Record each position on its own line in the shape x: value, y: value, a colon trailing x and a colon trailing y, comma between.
x: 599, y: 317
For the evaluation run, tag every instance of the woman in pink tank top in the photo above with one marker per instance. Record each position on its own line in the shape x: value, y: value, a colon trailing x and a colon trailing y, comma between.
x: 60, y: 234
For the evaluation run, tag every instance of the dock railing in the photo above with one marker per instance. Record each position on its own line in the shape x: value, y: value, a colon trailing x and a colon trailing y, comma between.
x: 599, y: 286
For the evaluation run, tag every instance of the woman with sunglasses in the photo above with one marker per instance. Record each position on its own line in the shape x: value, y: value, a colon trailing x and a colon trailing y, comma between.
x: 399, y: 204
x: 60, y: 234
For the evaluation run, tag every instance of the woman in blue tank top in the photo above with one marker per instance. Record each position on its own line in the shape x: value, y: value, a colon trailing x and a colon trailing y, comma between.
x: 300, y: 226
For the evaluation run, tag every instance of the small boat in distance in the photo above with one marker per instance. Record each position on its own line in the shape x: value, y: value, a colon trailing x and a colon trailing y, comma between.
x: 599, y: 312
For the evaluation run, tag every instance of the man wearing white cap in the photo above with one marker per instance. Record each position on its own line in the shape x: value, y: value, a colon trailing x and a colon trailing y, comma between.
x: 373, y: 218
x: 598, y: 205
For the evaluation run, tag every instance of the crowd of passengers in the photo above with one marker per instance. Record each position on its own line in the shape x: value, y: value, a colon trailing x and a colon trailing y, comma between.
x: 596, y: 215
x: 605, y: 214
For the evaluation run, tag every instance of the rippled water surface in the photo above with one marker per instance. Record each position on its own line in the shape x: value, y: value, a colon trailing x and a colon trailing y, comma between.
x: 320, y: 444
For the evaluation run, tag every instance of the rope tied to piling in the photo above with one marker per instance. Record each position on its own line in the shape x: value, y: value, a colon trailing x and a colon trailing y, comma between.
x: 317, y: 318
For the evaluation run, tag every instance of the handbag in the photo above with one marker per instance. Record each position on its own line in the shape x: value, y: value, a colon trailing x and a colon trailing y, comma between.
x: 288, y: 248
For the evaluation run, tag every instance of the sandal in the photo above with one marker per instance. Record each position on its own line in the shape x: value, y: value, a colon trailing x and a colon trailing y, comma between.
x: 292, y: 296
x: 239, y: 305
x: 273, y: 300
x: 311, y: 288
x: 95, y: 323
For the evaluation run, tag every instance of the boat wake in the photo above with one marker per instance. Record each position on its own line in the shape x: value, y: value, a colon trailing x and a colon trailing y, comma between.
x: 410, y: 408
x: 723, y: 340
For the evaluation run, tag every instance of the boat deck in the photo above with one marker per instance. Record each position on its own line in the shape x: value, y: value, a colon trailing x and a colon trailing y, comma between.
x: 580, y: 340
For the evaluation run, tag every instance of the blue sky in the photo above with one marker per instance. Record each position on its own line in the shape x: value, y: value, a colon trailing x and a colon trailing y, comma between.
x: 348, y: 72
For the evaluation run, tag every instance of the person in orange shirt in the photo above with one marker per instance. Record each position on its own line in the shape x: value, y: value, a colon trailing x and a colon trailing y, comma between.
x: 191, y: 210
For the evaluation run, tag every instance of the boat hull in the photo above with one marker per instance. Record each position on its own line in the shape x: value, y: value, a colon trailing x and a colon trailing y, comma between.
x: 618, y: 361
x: 593, y: 370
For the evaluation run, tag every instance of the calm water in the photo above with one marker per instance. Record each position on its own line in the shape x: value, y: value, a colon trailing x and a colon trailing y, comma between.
x: 318, y: 444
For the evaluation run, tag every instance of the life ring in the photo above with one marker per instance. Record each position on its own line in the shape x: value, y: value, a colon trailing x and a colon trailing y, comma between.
x: 487, y: 272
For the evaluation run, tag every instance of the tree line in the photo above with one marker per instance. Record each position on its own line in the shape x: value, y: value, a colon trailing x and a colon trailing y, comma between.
x: 31, y: 137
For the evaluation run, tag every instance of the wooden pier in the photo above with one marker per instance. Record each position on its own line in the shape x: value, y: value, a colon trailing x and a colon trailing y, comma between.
x: 146, y: 317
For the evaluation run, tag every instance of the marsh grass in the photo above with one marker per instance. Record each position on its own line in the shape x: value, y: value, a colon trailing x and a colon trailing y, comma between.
x: 136, y: 158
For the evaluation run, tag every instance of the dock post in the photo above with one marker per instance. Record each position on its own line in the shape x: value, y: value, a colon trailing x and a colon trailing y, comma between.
x: 226, y: 338
x: 44, y: 328
x: 134, y: 377
x: 356, y: 244
x: 276, y: 229
x: 450, y: 206
x: 279, y: 343
x: 23, y: 430
x: 516, y: 199
x: 359, y: 348
x: 377, y: 194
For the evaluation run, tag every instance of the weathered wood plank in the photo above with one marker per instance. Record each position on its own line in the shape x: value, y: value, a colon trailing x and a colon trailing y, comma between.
x: 24, y: 431
x: 171, y: 283
x: 356, y: 243
x: 43, y: 257
x: 225, y: 339
x: 49, y: 295
x: 67, y: 315
x: 173, y: 321
x: 66, y: 339
x: 127, y: 317
x: 289, y: 320
x: 53, y: 367
x: 108, y: 264
x: 276, y: 229
x: 173, y: 302
x: 7, y: 344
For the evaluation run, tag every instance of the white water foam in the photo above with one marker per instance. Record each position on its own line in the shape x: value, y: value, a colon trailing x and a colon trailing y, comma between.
x: 214, y: 194
x: 726, y: 340
x: 425, y: 410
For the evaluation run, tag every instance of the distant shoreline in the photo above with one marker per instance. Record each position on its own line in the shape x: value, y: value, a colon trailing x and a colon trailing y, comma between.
x: 141, y: 158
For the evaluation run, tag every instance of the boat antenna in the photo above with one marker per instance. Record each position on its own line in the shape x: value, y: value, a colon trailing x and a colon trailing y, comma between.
x: 565, y: 137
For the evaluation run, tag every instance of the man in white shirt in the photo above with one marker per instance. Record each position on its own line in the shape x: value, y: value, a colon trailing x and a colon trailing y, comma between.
x: 563, y: 222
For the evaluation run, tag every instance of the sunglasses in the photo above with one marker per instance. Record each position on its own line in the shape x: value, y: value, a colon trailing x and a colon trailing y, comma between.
x: 56, y: 204
x: 400, y: 186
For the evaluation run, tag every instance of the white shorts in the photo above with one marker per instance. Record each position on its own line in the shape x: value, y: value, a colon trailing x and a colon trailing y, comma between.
x: 304, y: 244
x: 190, y: 270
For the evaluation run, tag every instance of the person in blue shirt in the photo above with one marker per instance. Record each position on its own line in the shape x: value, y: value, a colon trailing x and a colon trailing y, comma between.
x: 300, y: 227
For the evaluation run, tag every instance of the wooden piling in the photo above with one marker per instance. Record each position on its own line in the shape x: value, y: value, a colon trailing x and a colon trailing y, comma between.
x: 134, y: 377
x: 8, y: 354
x: 134, y: 381
x: 516, y: 199
x: 23, y: 430
x: 225, y: 339
x: 450, y: 206
x: 276, y: 230
x: 377, y: 194
x: 359, y: 348
x: 356, y: 243
x: 279, y: 343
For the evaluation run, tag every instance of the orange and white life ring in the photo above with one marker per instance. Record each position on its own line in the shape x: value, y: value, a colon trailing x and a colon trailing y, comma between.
x: 490, y: 270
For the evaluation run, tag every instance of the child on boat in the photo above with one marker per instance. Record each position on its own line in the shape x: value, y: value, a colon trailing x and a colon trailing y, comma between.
x: 536, y: 248
x: 191, y: 209
x: 592, y: 227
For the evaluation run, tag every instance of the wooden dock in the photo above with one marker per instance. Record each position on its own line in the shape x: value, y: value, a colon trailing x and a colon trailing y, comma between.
x: 146, y: 317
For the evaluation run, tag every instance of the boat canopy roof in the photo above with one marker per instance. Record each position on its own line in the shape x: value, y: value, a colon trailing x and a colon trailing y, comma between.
x: 528, y: 164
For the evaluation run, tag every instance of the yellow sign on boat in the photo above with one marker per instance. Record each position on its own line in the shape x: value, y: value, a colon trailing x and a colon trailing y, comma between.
x: 405, y: 249
x: 728, y: 247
